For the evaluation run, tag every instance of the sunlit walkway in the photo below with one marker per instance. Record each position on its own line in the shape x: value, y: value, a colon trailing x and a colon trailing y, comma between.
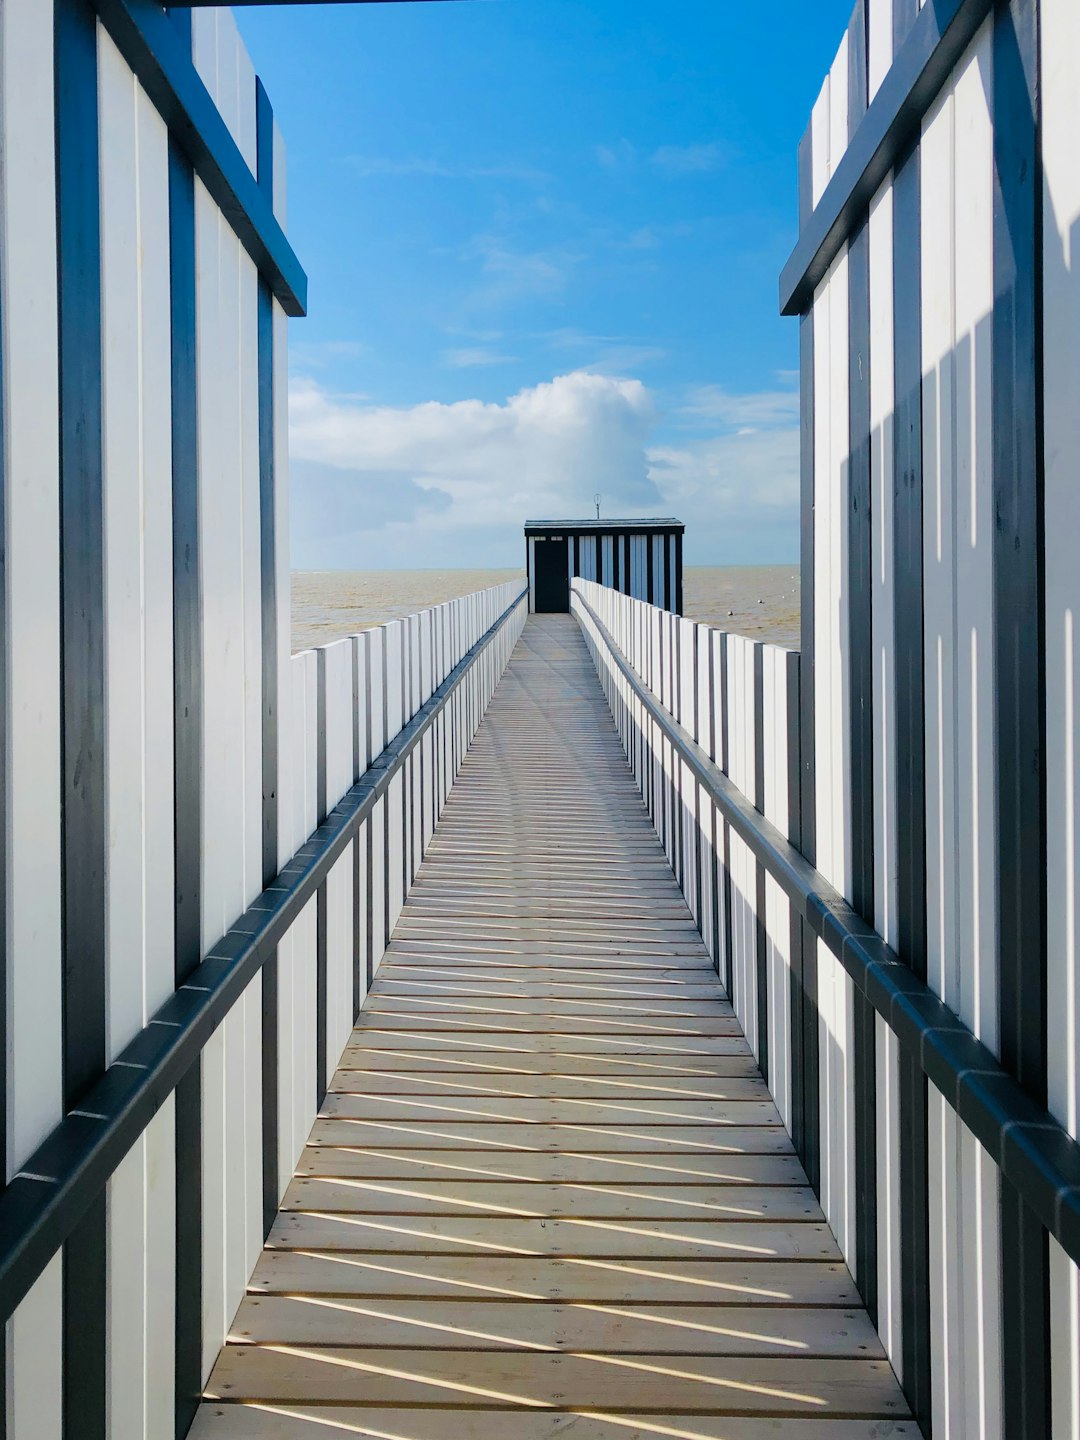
x: 548, y: 1193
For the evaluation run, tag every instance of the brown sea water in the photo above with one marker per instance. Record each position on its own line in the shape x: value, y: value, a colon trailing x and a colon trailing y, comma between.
x: 757, y: 600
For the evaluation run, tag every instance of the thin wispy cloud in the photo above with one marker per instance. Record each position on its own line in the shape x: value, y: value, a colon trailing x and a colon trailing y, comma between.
x: 438, y: 169
x: 688, y: 159
x: 763, y: 410
x: 618, y: 154
x: 320, y: 354
x: 603, y: 354
x: 511, y: 274
x: 471, y: 357
x: 693, y: 159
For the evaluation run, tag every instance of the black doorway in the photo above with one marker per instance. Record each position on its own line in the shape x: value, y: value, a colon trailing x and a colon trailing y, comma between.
x: 552, y: 576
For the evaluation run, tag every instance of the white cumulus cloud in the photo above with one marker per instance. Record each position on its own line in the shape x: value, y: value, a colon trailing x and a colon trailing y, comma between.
x: 452, y: 483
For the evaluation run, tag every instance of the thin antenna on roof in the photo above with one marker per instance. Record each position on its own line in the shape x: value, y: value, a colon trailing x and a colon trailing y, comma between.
x: 596, y: 501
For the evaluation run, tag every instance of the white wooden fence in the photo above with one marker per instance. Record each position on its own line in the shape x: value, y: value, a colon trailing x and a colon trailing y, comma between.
x: 161, y: 756
x: 736, y: 698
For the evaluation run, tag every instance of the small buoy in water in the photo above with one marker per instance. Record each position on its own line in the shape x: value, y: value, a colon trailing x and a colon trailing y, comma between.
x: 761, y: 602
x: 731, y: 612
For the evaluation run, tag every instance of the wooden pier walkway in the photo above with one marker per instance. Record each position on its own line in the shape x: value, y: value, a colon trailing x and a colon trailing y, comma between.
x: 548, y: 1193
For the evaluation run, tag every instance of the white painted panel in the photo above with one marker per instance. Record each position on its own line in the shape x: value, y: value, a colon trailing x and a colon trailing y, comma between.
x: 1060, y: 28
x: 247, y: 281
x: 337, y: 677
x: 819, y: 145
x: 232, y: 1174
x: 28, y: 278
x: 879, y: 44
x: 336, y: 666
x: 138, y: 548
x: 378, y: 881
x: 297, y: 953
x: 35, y: 1348
x: 831, y: 697
x: 339, y: 959
x: 974, y: 855
x: 958, y: 292
x: 141, y: 1207
x: 220, y: 523
x: 965, y: 1279
x: 882, y: 440
x: 376, y: 642
x: 939, y: 409
x: 777, y: 908
x: 394, y: 670
x: 838, y: 104
x: 887, y: 1055
x: 204, y: 47
x: 1064, y: 1345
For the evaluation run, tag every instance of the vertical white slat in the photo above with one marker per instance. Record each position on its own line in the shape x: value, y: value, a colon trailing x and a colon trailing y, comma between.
x: 296, y: 954
x: 939, y: 448
x: 823, y: 655
x: 532, y: 574
x: 879, y: 44
x: 1060, y: 39
x: 777, y: 907
x: 204, y: 48
x: 35, y: 1351
x: 829, y: 129
x: 958, y: 296
x: 337, y: 678
x: 123, y: 525
x: 706, y: 809
x: 965, y: 1306
x: 219, y: 515
x: 138, y: 611
x: 882, y: 440
x: 427, y: 655
x: 245, y: 277
x: 393, y: 671
x: 138, y: 546
x: 842, y: 1150
x: 887, y: 1115
x: 141, y: 1209
x: 32, y: 564
x: 1064, y: 1345
x: 974, y: 855
x: 214, y: 1192
x: 243, y: 72
x: 838, y: 103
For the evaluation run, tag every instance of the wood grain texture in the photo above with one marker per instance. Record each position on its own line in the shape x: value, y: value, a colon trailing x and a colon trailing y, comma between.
x: 548, y: 1176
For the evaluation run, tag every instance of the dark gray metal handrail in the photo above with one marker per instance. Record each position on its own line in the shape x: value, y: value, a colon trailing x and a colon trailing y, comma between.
x: 53, y: 1190
x: 1033, y: 1151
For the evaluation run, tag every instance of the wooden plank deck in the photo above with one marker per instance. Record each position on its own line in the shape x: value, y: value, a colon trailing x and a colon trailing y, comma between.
x: 549, y: 1193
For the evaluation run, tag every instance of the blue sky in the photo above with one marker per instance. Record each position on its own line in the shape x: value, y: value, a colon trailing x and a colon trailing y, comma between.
x: 543, y: 240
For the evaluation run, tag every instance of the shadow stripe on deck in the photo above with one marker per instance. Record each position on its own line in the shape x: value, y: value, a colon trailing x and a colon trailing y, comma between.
x: 548, y: 1191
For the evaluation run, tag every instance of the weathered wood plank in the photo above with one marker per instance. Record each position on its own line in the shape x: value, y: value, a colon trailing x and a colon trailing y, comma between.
x: 312, y: 1422
x: 571, y: 1198
x: 769, y: 1386
x: 606, y: 1329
